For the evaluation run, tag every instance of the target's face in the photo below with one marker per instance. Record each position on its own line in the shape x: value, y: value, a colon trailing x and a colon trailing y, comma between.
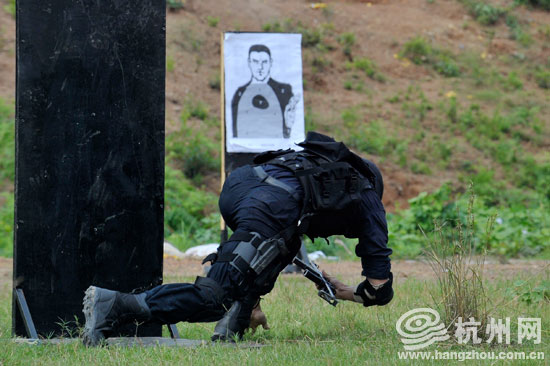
x: 260, y: 65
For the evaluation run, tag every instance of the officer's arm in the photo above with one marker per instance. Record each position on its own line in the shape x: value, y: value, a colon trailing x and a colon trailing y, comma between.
x: 372, y: 248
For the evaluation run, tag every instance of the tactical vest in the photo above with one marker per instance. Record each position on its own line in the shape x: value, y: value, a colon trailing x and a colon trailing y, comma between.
x: 329, y: 186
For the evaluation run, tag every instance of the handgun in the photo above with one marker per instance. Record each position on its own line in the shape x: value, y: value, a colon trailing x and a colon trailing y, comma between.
x: 326, y: 289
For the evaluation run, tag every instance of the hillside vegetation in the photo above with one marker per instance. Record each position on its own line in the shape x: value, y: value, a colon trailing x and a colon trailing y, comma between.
x: 441, y: 94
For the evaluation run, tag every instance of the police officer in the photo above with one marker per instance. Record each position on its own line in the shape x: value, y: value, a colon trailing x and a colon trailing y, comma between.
x: 319, y: 191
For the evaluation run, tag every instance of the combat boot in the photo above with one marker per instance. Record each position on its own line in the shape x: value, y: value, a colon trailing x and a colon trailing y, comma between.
x: 227, y: 328
x: 106, y: 309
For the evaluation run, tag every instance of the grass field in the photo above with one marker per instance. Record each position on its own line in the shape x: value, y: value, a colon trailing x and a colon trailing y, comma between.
x: 308, y: 331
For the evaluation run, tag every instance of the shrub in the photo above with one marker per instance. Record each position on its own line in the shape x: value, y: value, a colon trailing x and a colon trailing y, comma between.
x: 485, y: 13
x: 542, y: 77
x: 193, y: 151
x: 174, y: 5
x: 7, y: 142
x: 212, y: 21
x: 512, y: 82
x: 10, y: 7
x: 544, y: 4
x: 189, y: 217
x: 347, y: 40
x: 369, y: 68
x: 6, y: 224
x: 418, y: 50
x: 372, y: 138
x: 446, y: 66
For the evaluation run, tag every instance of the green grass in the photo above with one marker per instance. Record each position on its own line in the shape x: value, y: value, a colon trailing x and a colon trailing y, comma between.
x: 305, y: 331
x: 421, y: 52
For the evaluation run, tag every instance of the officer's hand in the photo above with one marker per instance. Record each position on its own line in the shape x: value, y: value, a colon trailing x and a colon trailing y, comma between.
x: 374, y: 292
x: 258, y: 318
x: 343, y: 291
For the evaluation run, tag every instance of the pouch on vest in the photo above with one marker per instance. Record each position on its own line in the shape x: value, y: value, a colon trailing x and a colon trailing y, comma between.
x: 331, y: 186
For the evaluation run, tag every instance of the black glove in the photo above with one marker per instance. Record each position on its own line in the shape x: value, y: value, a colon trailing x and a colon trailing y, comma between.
x: 371, y: 296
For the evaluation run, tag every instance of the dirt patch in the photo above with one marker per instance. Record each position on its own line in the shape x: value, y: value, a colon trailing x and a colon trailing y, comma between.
x: 347, y: 270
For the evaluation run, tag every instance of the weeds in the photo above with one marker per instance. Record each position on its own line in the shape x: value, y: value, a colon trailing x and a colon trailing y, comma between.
x: 212, y: 21
x: 190, y: 148
x: 367, y: 66
x: 170, y: 63
x: 459, y: 268
x: 420, y: 52
x: 10, y: 8
x: 7, y: 141
x: 347, y: 40
x: 542, y: 78
x: 483, y: 12
x: 544, y: 4
x: 175, y: 5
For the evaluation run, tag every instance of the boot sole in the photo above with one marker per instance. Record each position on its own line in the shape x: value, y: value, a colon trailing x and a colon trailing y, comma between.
x: 91, y: 337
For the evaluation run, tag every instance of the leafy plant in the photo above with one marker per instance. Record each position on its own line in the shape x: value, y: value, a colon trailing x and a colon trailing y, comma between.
x: 170, y: 63
x: 542, y: 77
x: 7, y: 141
x: 190, y: 148
x: 544, y: 4
x: 189, y: 217
x: 175, y: 5
x: 10, y: 7
x: 369, y: 68
x: 420, y: 51
x: 212, y: 21
x: 485, y: 13
x: 6, y: 224
x: 347, y: 40
x: 529, y: 294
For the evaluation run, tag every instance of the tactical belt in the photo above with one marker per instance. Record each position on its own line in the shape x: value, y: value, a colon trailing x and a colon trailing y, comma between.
x: 264, y: 177
x: 253, y: 254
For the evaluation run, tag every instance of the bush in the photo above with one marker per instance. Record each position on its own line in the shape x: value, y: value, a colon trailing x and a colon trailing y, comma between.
x: 542, y: 77
x: 6, y: 224
x: 519, y: 227
x: 544, y: 4
x: 419, y: 51
x: 190, y: 216
x: 485, y: 13
x: 7, y: 142
x: 347, y: 40
x: 369, y: 68
x: 174, y: 5
x: 212, y: 21
x: 10, y: 7
x: 192, y: 151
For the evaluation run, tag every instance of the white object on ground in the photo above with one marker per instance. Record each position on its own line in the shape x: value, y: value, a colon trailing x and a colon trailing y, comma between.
x: 172, y: 251
x: 201, y: 250
x: 316, y: 255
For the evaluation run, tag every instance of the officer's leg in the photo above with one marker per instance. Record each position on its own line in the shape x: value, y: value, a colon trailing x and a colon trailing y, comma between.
x: 105, y: 309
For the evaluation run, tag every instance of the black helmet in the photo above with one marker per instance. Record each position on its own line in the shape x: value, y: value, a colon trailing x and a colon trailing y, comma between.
x: 378, y: 181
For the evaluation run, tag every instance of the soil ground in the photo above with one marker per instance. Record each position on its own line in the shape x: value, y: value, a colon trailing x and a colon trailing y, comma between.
x: 380, y: 28
x: 402, y: 269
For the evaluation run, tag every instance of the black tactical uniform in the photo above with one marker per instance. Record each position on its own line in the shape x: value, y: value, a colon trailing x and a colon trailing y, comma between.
x: 321, y: 191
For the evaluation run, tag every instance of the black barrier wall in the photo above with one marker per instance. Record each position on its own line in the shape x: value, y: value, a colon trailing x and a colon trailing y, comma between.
x: 89, y: 153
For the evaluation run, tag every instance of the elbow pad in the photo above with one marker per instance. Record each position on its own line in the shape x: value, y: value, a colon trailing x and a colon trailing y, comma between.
x: 370, y: 296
